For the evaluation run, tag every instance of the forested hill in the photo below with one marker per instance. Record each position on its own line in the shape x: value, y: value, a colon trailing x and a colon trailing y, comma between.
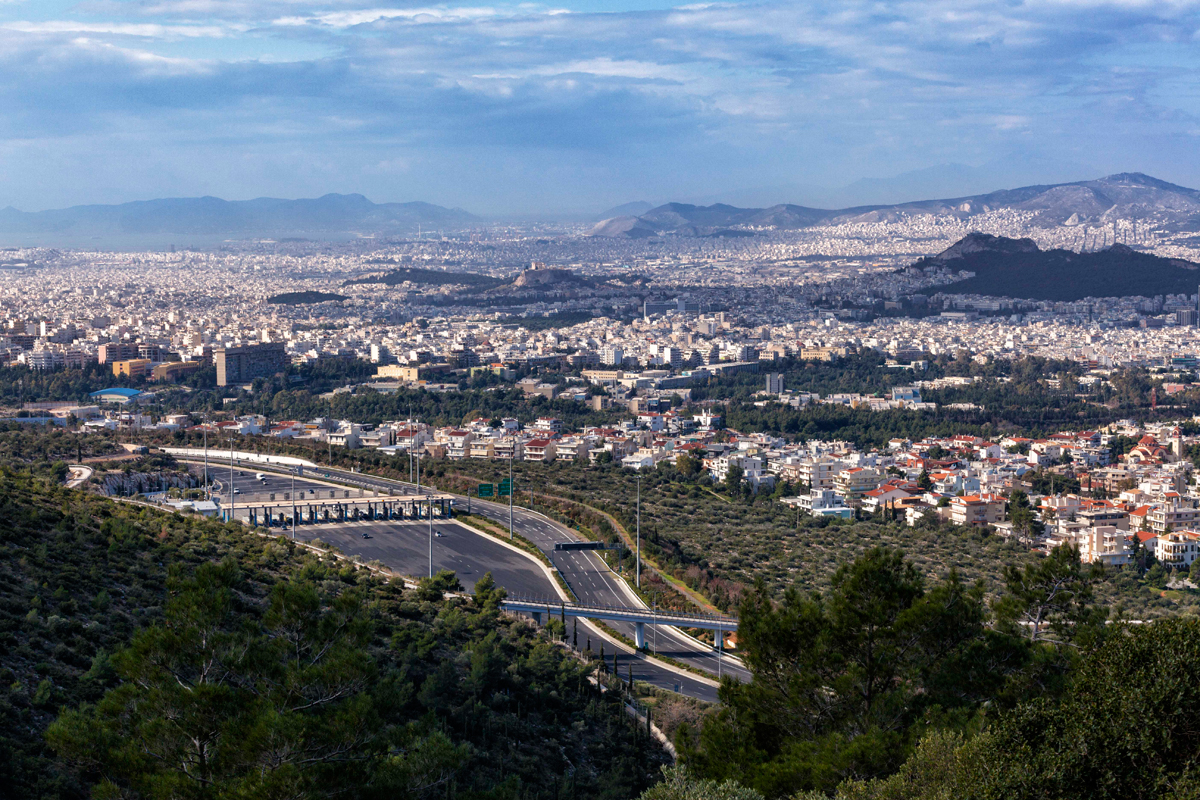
x: 345, y: 683
x: 1018, y: 268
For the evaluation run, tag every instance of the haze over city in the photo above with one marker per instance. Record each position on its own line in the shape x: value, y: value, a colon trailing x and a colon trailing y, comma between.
x: 570, y: 108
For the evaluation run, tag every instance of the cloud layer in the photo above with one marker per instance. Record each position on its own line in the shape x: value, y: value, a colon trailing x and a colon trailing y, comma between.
x: 538, y: 108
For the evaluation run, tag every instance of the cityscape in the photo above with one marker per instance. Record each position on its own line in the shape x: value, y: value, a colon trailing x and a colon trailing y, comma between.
x: 647, y: 402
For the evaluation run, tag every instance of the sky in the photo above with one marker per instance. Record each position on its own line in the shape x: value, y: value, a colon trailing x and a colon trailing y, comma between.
x: 576, y: 106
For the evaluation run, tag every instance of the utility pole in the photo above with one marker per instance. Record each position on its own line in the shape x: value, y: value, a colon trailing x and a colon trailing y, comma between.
x: 638, y: 570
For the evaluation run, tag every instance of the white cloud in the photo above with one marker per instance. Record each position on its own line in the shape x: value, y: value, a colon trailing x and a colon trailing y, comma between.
x: 147, y: 30
x: 347, y: 19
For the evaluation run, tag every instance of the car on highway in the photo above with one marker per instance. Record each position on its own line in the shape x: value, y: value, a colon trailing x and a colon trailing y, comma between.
x: 437, y: 534
x: 366, y: 536
x: 259, y: 476
x: 237, y: 490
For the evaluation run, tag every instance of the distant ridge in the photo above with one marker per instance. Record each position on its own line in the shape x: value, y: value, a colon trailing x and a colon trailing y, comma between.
x: 265, y: 216
x: 1017, y: 268
x: 1124, y: 196
x: 626, y: 210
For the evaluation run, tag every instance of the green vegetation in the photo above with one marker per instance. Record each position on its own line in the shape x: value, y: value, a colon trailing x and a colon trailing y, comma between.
x: 304, y: 298
x: 1066, y: 276
x: 720, y: 542
x: 241, y: 652
x: 430, y: 277
x: 563, y: 320
x: 887, y: 686
x: 1014, y: 397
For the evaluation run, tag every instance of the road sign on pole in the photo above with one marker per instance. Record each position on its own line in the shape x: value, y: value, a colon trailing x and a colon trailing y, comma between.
x: 505, y: 488
x: 486, y: 490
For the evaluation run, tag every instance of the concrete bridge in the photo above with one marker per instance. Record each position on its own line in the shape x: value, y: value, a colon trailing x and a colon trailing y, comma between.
x: 542, y: 608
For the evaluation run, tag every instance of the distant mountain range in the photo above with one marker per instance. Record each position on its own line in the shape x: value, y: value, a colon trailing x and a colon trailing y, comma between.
x: 1017, y: 268
x: 1126, y: 196
x: 265, y: 216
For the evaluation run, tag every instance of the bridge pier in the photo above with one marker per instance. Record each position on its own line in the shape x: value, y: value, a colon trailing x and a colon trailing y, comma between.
x: 639, y: 637
x: 537, y: 618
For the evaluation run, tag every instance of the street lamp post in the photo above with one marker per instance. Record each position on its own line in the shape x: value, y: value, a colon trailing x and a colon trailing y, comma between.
x: 511, y: 452
x: 206, y: 492
x: 231, y: 474
x: 431, y: 536
x: 638, y: 569
x: 293, y: 504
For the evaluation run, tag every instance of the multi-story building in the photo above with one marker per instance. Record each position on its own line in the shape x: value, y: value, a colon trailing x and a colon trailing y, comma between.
x: 116, y: 351
x: 822, y: 503
x: 540, y: 450
x: 1177, y: 549
x: 1171, y: 517
x: 244, y: 364
x: 133, y: 368
x: 1105, y: 543
x: 854, y: 482
x: 977, y: 510
x: 818, y: 473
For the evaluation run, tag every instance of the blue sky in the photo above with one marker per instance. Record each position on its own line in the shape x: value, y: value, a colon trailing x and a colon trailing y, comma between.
x: 578, y: 105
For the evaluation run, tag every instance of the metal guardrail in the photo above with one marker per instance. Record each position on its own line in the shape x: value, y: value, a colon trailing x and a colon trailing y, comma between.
x: 667, y: 617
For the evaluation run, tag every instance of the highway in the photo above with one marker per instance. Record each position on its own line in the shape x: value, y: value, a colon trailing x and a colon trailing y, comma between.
x: 587, y: 575
x: 404, y: 546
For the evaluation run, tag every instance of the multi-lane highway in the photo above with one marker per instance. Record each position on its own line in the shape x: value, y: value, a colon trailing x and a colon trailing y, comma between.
x: 405, y: 547
x: 587, y: 575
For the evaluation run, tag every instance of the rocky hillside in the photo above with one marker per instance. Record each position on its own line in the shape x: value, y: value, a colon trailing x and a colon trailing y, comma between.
x: 1018, y: 268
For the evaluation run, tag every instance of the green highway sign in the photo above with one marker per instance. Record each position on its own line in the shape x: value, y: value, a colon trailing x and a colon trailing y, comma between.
x: 485, y: 490
x: 505, y: 488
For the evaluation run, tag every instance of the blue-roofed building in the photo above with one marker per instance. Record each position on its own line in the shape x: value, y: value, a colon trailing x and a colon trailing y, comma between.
x: 115, y: 395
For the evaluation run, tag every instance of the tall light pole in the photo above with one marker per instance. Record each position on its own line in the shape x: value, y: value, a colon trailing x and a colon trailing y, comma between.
x: 293, y: 504
x: 512, y: 451
x: 638, y: 569
x: 231, y: 473
x: 206, y: 492
x: 430, y: 536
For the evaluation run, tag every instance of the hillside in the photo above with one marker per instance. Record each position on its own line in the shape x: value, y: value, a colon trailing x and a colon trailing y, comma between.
x: 412, y: 694
x: 429, y: 277
x: 264, y: 216
x: 304, y: 298
x: 1124, y: 196
x: 1018, y: 268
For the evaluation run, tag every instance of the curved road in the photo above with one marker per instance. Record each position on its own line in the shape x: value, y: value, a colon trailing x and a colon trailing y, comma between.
x: 587, y: 575
x: 585, y: 572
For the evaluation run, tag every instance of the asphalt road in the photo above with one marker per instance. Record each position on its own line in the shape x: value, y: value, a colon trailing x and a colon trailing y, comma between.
x: 404, y: 546
x: 588, y: 577
x: 249, y: 488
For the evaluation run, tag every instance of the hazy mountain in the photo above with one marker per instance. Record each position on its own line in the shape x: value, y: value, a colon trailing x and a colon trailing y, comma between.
x: 1006, y: 267
x: 265, y: 216
x: 626, y: 210
x: 624, y: 227
x: 1125, y: 196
